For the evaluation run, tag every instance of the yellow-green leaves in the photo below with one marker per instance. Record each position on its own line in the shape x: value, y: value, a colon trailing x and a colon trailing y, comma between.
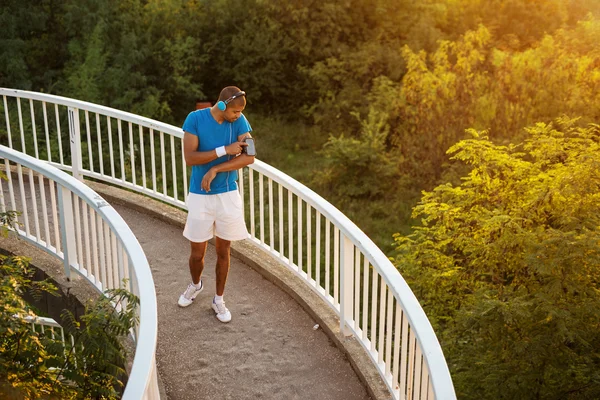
x: 507, y: 264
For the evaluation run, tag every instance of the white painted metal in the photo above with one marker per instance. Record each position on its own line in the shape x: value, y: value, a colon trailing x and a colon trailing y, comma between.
x: 33, y: 130
x: 336, y: 266
x: 381, y: 317
x: 59, y: 134
x: 318, y: 251
x: 23, y: 200
x: 271, y: 222
x: 162, y: 163
x: 308, y: 243
x: 373, y: 338
x: 75, y: 137
x: 36, y: 217
x: 132, y: 153
x: 290, y: 254
x: 2, y: 203
x: 365, y: 300
x: 23, y: 149
x: 142, y: 381
x: 173, y: 169
x: 261, y: 207
x: 397, y: 341
x: 153, y: 158
x: 281, y: 228
x: 251, y: 202
x: 388, y: 336
x: 327, y: 258
x: 65, y: 211
x: 86, y: 235
x: 299, y: 251
x: 89, y: 140
x: 99, y: 137
x: 347, y: 278
x: 392, y: 285
x: 78, y: 233
x: 417, y: 369
x: 54, y: 207
x: 7, y: 122
x: 240, y: 188
x: 95, y: 256
x: 356, y: 294
x: 121, y: 144
x: 143, y: 158
x: 46, y: 131
x: 44, y: 209
x: 110, y: 147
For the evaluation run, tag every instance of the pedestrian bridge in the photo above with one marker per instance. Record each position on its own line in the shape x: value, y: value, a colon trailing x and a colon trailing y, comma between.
x: 118, y: 211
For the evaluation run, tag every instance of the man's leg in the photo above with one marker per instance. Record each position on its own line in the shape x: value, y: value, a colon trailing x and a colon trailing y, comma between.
x: 222, y: 268
x: 196, y: 262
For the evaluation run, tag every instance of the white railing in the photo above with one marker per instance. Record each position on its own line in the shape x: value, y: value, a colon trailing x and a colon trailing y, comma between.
x: 306, y: 233
x: 70, y: 221
x: 56, y: 332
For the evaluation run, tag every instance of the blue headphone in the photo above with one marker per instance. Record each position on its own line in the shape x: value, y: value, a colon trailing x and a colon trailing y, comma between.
x: 222, y: 104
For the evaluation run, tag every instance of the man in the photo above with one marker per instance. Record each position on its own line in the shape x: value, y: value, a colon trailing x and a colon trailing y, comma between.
x: 212, y: 144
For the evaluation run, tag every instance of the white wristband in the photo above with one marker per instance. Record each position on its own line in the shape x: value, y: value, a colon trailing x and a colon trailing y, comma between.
x: 221, y: 151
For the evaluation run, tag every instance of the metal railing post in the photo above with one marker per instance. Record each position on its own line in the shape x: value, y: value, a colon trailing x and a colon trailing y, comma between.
x: 75, y: 140
x: 347, y: 283
x: 67, y: 228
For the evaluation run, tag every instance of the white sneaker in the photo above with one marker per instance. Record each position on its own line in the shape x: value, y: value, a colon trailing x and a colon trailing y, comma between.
x: 223, y: 313
x: 190, y: 294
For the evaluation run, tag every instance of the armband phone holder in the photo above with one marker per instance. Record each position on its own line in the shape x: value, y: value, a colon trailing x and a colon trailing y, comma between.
x: 250, y: 149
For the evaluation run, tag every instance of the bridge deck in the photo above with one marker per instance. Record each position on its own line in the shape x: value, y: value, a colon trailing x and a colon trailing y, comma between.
x: 268, y: 351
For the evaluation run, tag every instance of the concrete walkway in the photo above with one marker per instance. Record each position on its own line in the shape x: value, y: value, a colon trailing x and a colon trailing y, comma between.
x: 268, y: 351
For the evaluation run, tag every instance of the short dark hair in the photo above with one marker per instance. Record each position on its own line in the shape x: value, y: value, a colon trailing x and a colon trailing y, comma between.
x: 229, y: 91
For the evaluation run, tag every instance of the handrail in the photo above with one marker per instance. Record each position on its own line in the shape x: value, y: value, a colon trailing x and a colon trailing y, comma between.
x: 417, y: 318
x: 143, y: 367
x: 385, y: 317
x: 84, y: 105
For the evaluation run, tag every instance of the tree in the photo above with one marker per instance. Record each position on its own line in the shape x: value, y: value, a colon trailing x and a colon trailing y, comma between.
x: 507, y: 265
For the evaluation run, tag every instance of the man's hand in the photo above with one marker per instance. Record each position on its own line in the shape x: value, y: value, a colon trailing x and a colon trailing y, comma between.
x: 208, y: 178
x: 235, y: 148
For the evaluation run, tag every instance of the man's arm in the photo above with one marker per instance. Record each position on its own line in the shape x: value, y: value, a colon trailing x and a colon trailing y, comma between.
x: 238, y: 162
x: 194, y: 157
x: 234, y: 164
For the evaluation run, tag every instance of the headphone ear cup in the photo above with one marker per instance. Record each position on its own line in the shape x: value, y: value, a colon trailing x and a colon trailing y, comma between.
x: 221, y: 105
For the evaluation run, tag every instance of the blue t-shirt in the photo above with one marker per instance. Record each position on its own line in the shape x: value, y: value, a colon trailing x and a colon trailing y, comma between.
x: 211, y: 135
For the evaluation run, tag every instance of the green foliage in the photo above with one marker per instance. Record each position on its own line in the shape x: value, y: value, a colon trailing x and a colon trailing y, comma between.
x: 364, y: 159
x: 469, y: 83
x: 362, y: 99
x: 35, y: 365
x: 24, y: 358
x: 516, y: 24
x: 95, y: 362
x: 507, y: 265
x: 32, y: 50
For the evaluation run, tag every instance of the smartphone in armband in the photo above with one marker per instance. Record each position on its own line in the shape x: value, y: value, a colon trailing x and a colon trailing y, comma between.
x: 250, y: 149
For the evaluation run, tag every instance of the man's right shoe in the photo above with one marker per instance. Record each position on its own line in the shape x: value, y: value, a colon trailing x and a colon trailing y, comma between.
x: 190, y: 294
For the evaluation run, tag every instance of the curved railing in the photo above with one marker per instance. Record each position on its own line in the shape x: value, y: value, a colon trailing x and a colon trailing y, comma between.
x: 70, y: 221
x: 294, y: 224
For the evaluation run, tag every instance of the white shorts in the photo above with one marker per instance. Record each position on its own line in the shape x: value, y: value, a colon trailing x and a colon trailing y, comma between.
x: 215, y: 214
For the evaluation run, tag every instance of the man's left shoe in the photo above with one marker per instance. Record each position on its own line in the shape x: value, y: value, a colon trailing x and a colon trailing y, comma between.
x: 222, y: 313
